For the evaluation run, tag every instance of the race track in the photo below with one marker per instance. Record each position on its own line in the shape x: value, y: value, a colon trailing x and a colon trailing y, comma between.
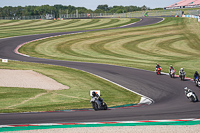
x: 168, y: 94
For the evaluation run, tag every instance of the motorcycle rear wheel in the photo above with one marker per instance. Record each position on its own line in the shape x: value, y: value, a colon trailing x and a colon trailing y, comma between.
x: 105, y: 106
x: 191, y: 99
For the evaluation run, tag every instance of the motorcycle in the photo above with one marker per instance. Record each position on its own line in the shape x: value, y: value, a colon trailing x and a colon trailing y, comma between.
x: 98, y: 104
x: 192, y: 96
x: 197, y: 81
x: 172, y: 73
x: 158, y: 71
x: 182, y: 75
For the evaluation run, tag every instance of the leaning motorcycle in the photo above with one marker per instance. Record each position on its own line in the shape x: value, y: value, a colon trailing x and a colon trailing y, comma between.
x: 197, y: 81
x: 98, y: 104
x: 192, y: 96
x: 182, y: 75
x: 158, y: 71
x: 172, y: 73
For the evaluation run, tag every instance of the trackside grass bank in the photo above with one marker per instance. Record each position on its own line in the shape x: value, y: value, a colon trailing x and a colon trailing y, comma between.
x: 11, y: 28
x: 175, y: 41
x: 80, y: 83
x: 76, y: 97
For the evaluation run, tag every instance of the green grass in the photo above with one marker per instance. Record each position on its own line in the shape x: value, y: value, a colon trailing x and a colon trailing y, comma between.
x: 76, y: 97
x: 174, y: 41
x: 11, y: 28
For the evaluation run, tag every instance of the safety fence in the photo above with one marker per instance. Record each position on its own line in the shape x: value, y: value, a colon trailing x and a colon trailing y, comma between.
x: 47, y: 16
x: 194, y: 12
x: 192, y: 16
x: 149, y: 13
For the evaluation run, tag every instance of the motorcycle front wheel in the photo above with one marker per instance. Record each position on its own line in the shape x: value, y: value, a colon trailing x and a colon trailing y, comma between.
x: 197, y: 99
x: 196, y: 82
x: 95, y: 106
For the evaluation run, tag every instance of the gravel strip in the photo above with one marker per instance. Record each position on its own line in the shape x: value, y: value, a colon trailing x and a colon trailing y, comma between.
x: 28, y: 79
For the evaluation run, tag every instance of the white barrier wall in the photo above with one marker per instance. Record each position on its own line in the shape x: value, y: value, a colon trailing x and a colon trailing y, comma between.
x: 192, y: 16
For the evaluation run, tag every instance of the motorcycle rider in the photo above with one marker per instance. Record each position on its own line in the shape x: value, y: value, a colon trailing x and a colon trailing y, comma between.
x: 181, y: 71
x: 171, y: 68
x: 192, y: 96
x: 158, y: 66
x: 196, y: 75
x: 99, y: 99
x: 187, y: 90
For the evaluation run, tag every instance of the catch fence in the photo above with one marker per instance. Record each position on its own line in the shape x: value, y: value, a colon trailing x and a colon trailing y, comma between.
x: 47, y: 16
x: 149, y: 13
x: 122, y: 15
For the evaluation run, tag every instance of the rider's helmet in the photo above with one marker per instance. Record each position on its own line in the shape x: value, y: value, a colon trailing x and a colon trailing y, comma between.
x: 196, y: 72
x: 157, y: 64
x: 93, y: 93
x: 181, y: 69
x: 170, y: 65
x: 186, y: 88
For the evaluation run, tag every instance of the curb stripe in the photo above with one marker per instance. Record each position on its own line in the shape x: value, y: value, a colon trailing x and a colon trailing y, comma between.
x: 177, y: 76
x: 4, y: 128
x: 106, y: 122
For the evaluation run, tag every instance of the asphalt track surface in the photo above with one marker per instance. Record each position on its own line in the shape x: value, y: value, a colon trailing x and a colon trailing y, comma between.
x: 170, y: 101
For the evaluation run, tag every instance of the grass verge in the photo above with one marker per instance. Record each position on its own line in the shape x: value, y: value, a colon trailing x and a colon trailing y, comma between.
x: 11, y: 28
x: 77, y: 97
x: 175, y: 41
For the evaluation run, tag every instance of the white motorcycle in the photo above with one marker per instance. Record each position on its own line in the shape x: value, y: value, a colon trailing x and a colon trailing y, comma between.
x: 192, y: 96
x: 197, y: 81
x: 182, y: 75
x: 98, y: 104
x: 172, y: 73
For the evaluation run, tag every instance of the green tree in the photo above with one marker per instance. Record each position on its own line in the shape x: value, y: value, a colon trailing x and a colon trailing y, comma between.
x: 103, y: 7
x: 99, y: 11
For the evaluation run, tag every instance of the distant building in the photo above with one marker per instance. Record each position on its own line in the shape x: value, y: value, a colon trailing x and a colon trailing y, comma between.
x: 184, y: 4
x: 49, y: 16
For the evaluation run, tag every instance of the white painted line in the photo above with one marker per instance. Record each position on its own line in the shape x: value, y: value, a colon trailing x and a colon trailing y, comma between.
x: 1, y: 126
x: 46, y: 124
x: 131, y: 23
x: 161, y: 20
x: 150, y: 101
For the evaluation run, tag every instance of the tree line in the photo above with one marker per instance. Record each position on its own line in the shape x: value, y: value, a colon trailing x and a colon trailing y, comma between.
x: 9, y: 11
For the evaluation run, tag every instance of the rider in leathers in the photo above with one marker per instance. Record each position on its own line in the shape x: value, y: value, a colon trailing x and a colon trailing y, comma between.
x: 181, y: 71
x: 171, y: 68
x: 96, y: 96
x: 187, y: 90
x: 158, y: 66
x: 196, y: 74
